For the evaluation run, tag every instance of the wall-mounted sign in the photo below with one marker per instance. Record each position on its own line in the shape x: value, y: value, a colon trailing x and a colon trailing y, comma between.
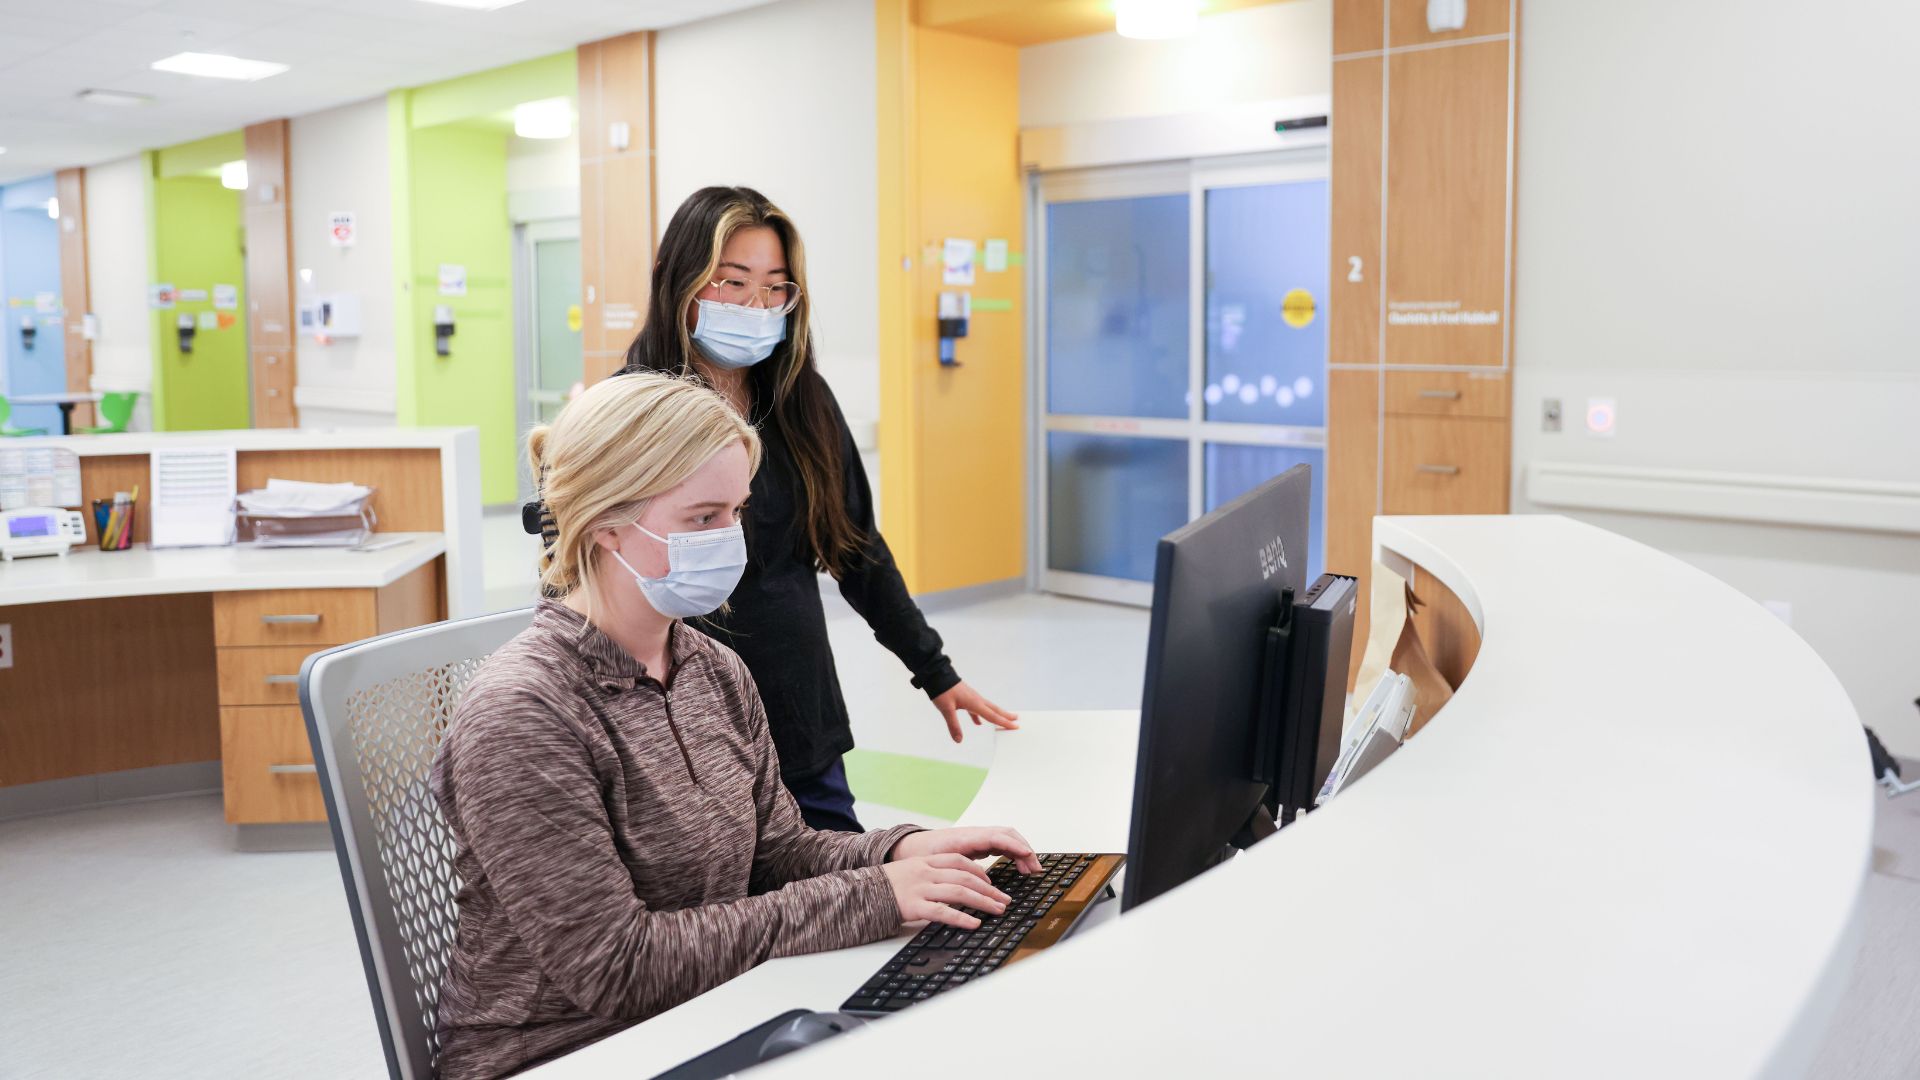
x: 995, y: 256
x: 1437, y: 313
x: 619, y: 316
x: 573, y: 317
x: 191, y: 296
x: 225, y: 319
x: 453, y: 279
x: 1296, y: 308
x: 46, y: 303
x: 340, y: 228
x: 209, y: 320
x: 160, y: 296
x: 957, y: 263
x: 226, y: 297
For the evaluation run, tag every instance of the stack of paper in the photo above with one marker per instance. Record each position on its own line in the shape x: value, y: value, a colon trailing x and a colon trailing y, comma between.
x: 296, y: 513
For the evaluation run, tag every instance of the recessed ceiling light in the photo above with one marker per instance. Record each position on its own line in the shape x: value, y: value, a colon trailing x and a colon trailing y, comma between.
x: 233, y: 175
x: 215, y: 66
x: 1156, y: 19
x: 548, y: 118
x: 112, y: 97
x: 474, y: 5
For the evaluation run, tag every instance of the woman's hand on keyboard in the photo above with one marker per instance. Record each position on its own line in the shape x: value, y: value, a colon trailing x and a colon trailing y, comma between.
x: 974, y: 843
x: 933, y: 887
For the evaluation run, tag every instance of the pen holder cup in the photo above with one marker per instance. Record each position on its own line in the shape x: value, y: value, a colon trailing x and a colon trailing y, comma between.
x: 115, y: 533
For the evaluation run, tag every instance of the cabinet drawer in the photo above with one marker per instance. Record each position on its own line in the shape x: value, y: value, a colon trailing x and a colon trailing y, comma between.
x: 1445, y: 393
x: 266, y: 766
x: 294, y: 617
x: 261, y: 675
x: 1445, y: 466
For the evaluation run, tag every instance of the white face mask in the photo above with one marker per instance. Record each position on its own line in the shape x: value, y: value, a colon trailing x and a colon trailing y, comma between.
x: 702, y: 569
x: 736, y: 337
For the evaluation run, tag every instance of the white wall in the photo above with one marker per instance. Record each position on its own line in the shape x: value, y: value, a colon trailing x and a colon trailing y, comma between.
x: 117, y: 256
x: 1715, y: 228
x: 804, y: 135
x: 1256, y: 54
x: 543, y: 178
x: 340, y: 162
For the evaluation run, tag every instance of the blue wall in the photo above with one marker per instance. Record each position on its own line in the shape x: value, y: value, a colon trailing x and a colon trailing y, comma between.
x: 30, y: 266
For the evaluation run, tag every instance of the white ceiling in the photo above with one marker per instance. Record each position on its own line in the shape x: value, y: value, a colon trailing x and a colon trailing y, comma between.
x: 340, y: 51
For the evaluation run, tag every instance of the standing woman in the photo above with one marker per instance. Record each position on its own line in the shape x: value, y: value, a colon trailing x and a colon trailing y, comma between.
x: 730, y: 305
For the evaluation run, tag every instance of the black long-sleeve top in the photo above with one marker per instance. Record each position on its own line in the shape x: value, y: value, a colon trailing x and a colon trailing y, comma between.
x: 778, y: 625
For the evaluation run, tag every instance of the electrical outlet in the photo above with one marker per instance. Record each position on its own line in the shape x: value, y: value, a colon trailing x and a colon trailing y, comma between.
x: 6, y: 645
x: 1550, y: 414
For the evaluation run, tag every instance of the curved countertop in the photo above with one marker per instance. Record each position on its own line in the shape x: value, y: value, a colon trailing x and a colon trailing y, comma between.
x: 1632, y: 844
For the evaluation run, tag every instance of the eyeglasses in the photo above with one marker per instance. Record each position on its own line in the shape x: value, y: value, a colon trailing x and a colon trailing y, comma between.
x: 782, y: 297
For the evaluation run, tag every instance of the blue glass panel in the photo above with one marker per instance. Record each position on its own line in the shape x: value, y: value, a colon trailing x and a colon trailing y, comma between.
x: 1266, y: 304
x: 1117, y: 307
x: 1110, y: 500
x: 1234, y: 469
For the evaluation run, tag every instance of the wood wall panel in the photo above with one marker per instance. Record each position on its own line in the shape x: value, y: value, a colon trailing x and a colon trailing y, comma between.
x: 1353, y: 333
x: 1447, y: 393
x: 1358, y: 26
x: 1353, y: 470
x: 619, y: 222
x: 70, y: 187
x: 269, y: 276
x: 1447, y: 200
x: 1410, y: 22
x: 103, y: 685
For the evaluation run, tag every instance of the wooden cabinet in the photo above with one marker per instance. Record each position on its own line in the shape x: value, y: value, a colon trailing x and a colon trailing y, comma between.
x: 261, y: 640
x: 1419, y: 320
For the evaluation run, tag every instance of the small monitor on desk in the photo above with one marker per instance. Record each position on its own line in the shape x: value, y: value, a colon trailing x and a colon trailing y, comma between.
x: 1244, y: 665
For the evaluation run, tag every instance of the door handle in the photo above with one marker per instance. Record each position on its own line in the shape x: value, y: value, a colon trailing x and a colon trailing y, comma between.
x: 276, y: 620
x: 1439, y: 470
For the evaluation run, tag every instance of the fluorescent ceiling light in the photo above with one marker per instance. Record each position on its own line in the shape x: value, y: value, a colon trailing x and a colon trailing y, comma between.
x: 548, y: 118
x: 1156, y: 19
x: 233, y: 175
x: 215, y: 66
x: 112, y: 97
x: 475, y: 5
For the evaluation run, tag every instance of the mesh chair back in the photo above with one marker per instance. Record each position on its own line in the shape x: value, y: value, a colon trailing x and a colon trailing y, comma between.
x: 376, y: 711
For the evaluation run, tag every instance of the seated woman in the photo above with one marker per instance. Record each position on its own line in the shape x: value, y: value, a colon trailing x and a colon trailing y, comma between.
x: 621, y: 829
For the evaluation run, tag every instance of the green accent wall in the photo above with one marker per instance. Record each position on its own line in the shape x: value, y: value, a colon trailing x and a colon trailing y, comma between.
x: 920, y: 785
x: 448, y: 175
x: 198, y: 242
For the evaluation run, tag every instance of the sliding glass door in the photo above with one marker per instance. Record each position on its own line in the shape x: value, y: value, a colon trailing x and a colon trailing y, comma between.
x: 1182, y: 355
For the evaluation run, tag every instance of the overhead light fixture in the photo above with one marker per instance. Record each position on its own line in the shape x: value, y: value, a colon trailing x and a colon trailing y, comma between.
x: 475, y: 5
x: 53, y: 208
x: 112, y: 97
x: 548, y: 118
x: 1155, y: 20
x: 215, y: 66
x: 233, y: 175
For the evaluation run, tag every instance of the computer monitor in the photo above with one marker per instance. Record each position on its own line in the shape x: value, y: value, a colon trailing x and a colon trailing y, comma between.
x: 1220, y: 584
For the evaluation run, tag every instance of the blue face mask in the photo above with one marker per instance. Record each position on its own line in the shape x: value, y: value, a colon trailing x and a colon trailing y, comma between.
x: 733, y: 336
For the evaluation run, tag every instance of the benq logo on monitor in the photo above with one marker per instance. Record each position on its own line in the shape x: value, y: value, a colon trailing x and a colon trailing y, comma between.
x: 1273, y: 557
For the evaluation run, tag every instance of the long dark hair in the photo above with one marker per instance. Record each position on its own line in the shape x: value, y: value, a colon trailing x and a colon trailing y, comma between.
x: 787, y: 390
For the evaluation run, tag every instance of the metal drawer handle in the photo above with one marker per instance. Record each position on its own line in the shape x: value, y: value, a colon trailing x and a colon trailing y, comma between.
x: 282, y: 680
x: 1441, y: 395
x: 293, y: 768
x: 1439, y: 470
x: 274, y: 620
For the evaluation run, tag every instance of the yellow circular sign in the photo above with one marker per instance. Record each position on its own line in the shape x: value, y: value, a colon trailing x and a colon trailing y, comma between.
x: 573, y: 318
x: 1297, y: 308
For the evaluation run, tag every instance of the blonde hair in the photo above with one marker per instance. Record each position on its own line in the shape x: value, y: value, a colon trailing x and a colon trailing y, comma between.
x: 611, y: 450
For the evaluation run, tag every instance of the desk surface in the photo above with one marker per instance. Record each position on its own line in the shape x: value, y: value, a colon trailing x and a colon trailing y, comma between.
x: 87, y: 573
x: 1632, y: 844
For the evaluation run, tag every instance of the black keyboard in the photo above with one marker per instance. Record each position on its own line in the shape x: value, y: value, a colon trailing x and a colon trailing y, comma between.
x: 941, y: 957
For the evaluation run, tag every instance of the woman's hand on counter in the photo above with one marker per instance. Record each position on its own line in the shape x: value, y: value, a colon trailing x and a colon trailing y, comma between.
x: 963, y: 698
x: 977, y: 842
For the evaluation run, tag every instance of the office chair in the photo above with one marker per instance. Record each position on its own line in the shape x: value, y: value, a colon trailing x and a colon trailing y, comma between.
x: 8, y: 430
x: 376, y: 711
x: 117, y: 409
